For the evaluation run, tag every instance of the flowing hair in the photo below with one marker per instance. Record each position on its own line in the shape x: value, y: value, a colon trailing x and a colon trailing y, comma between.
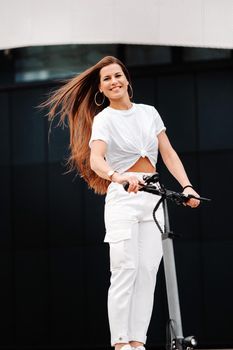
x: 75, y: 102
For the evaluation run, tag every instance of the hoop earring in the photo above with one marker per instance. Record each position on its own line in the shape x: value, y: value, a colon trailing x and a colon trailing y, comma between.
x: 99, y: 104
x: 131, y: 90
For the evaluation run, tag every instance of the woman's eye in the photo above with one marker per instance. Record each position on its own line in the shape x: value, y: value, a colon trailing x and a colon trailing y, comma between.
x: 117, y: 76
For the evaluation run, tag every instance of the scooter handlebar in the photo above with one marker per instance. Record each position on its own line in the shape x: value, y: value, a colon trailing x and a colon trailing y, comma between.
x: 176, y: 197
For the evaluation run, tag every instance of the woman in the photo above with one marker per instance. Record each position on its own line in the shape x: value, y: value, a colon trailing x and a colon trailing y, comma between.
x: 113, y: 141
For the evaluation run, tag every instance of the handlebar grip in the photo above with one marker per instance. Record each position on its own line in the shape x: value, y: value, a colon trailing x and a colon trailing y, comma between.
x: 189, y: 196
x: 125, y: 185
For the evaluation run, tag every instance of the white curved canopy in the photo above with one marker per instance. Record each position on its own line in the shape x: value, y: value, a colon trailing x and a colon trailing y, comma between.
x: 199, y: 23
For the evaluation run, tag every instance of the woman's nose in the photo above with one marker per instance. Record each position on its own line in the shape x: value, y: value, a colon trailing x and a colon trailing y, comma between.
x: 114, y: 80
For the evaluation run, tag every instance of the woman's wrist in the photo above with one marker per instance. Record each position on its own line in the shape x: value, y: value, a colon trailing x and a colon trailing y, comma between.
x: 110, y: 174
x: 113, y: 176
x: 116, y: 177
x: 187, y: 186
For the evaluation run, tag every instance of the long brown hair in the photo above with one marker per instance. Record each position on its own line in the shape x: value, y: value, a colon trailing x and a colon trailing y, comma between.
x: 75, y: 102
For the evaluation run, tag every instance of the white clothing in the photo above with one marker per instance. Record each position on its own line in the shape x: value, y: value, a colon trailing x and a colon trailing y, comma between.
x: 135, y: 255
x: 134, y: 239
x: 127, y: 208
x: 129, y: 134
x: 126, y: 347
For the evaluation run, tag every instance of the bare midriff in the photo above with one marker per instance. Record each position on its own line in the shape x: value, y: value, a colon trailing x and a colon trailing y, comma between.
x: 143, y: 165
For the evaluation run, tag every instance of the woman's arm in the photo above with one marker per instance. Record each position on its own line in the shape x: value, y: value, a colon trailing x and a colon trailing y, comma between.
x: 101, y: 167
x: 175, y: 166
x: 97, y: 161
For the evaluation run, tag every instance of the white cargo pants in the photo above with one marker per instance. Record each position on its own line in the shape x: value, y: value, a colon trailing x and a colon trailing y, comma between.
x: 135, y: 254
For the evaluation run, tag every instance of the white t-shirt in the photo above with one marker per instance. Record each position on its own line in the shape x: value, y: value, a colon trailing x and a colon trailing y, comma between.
x: 129, y: 134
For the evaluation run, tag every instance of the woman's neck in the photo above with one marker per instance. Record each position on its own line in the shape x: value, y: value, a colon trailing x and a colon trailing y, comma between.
x: 123, y: 105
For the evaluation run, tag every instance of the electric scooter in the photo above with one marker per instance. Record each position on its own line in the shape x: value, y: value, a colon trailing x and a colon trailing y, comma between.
x: 175, y: 339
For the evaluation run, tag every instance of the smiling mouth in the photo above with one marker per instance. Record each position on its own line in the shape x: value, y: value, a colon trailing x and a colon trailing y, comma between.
x: 115, y: 87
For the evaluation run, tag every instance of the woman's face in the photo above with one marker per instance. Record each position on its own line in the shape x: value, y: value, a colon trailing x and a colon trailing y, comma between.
x: 113, y: 82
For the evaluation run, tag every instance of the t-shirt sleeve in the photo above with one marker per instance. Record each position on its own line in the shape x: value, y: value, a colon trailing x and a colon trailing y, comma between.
x: 99, y: 130
x: 158, y: 122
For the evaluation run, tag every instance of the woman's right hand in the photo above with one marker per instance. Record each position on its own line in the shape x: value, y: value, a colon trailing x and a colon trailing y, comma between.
x: 134, y: 183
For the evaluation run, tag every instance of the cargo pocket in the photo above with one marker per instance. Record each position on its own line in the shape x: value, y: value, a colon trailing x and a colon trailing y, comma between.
x: 120, y: 249
x: 111, y: 193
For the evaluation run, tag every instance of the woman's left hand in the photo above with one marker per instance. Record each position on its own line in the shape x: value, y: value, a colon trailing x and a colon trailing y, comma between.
x: 192, y: 202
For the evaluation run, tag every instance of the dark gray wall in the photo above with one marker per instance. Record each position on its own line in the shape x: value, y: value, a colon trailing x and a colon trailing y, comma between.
x: 54, y: 266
